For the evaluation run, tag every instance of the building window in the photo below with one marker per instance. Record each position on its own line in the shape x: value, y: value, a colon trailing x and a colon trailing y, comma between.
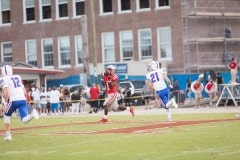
x: 47, y: 52
x: 5, y: 16
x: 162, y: 4
x: 108, y: 47
x: 31, y: 52
x: 29, y: 11
x: 124, y: 5
x: 45, y: 10
x: 126, y: 44
x: 165, y: 43
x: 145, y: 44
x: 64, y: 51
x: 106, y: 6
x: 79, y: 50
x: 78, y: 7
x: 6, y: 50
x: 62, y: 8
x: 143, y: 5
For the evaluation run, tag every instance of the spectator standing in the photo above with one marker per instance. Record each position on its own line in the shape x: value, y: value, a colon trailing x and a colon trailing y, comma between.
x: 127, y: 95
x: 175, y: 89
x: 188, y: 88
x: 62, y: 99
x: 28, y: 96
x: 1, y: 106
x: 36, y: 98
x: 54, y: 99
x: 43, y: 101
x: 147, y: 91
x: 48, y: 100
x: 102, y: 96
x: 67, y: 103
x: 75, y: 98
x: 83, y: 101
x: 219, y: 82
x: 94, y: 96
x: 120, y: 94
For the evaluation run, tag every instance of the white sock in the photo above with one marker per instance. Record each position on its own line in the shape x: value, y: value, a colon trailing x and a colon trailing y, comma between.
x: 105, y: 116
x: 169, y: 103
x: 169, y: 115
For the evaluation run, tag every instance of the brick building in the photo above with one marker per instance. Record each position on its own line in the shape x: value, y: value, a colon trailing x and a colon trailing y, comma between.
x: 80, y: 37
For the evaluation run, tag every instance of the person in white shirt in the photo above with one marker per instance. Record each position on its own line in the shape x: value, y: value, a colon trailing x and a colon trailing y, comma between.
x: 43, y: 101
x: 13, y: 99
x: 157, y: 78
x: 36, y: 98
x: 54, y: 99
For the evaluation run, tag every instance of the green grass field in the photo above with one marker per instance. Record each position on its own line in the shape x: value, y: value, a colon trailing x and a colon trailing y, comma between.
x: 80, y: 138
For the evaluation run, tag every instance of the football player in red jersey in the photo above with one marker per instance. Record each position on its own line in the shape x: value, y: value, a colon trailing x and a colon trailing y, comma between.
x: 232, y: 66
x: 110, y: 80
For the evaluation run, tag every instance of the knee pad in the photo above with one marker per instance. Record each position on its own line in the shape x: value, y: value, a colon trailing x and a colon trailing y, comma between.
x: 6, y: 119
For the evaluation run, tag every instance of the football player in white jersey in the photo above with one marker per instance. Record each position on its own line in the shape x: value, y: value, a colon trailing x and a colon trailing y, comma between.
x: 13, y: 99
x: 157, y: 78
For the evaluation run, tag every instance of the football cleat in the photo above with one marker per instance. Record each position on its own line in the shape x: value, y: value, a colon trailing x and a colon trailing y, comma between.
x: 35, y: 114
x: 7, y: 138
x: 103, y: 120
x: 175, y: 105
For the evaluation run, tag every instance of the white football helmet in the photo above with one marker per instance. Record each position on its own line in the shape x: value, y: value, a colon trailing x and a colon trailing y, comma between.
x: 154, y: 65
x: 7, y: 70
x: 111, y: 67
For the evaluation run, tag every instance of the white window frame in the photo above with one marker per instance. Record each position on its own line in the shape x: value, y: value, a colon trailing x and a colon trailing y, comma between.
x: 138, y: 9
x: 32, y: 52
x: 43, y: 53
x: 57, y: 10
x: 41, y: 5
x: 59, y: 52
x: 169, y: 53
x: 74, y: 8
x: 162, y: 7
x: 5, y: 9
x: 125, y: 11
x: 112, y: 57
x: 78, y: 49
x: 101, y: 8
x: 121, y: 45
x: 24, y: 13
x: 2, y: 52
x: 144, y: 58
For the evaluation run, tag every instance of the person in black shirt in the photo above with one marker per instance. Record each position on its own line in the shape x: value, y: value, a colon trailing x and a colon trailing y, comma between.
x: 75, y: 98
x: 127, y: 94
x: 219, y: 82
x: 188, y: 88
